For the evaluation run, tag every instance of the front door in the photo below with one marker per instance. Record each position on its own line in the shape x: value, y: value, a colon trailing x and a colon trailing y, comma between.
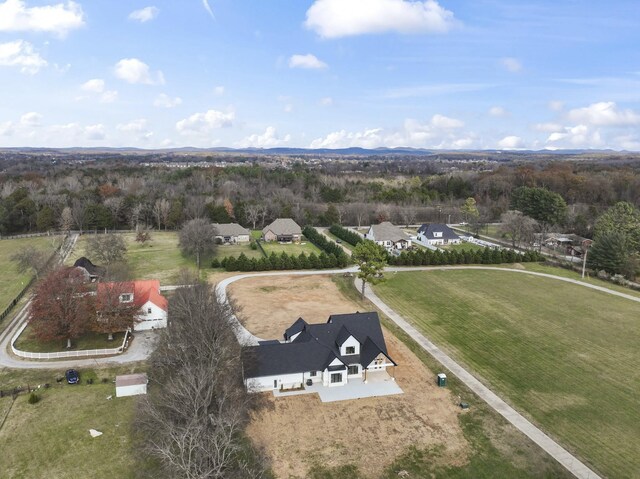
x: 275, y: 384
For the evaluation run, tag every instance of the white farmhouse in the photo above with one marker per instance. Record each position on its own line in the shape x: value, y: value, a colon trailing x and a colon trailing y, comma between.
x: 145, y: 295
x: 389, y: 236
x: 346, y: 347
x: 437, y: 234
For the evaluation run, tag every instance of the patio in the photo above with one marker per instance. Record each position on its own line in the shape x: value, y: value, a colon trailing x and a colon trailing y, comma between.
x: 378, y: 384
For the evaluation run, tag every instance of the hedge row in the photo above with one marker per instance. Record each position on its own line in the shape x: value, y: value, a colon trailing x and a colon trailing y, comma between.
x: 326, y: 245
x: 344, y: 234
x: 424, y: 257
x: 282, y: 261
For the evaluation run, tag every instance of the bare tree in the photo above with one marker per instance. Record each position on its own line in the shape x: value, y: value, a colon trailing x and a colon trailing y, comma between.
x: 518, y: 227
x: 194, y: 416
x: 197, y: 237
x: 79, y: 214
x: 409, y: 215
x: 108, y: 248
x: 28, y: 258
x: 252, y: 213
x: 161, y: 209
x: 114, y: 204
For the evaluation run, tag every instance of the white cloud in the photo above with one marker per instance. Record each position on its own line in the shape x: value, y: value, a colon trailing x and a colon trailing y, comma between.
x: 138, y: 128
x: 511, y: 143
x: 511, y: 64
x: 307, y: 61
x: 579, y: 136
x: 340, y: 18
x: 207, y: 7
x: 133, y: 70
x: 31, y: 119
x: 444, y: 122
x: 95, y: 85
x: 604, y: 114
x: 288, y: 108
x: 74, y: 132
x: 219, y: 90
x: 268, y: 139
x: 6, y: 128
x: 439, y: 132
x: 165, y: 101
x: 144, y: 14
x: 57, y: 19
x: 19, y: 53
x: 498, y: 112
x: 434, y: 89
x: 326, y: 101
x: 203, y: 123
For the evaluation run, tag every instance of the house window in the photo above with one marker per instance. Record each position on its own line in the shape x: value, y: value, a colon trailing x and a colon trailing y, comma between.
x: 148, y: 310
x: 313, y: 374
x: 353, y: 370
x: 336, y: 378
x: 126, y: 298
x: 351, y: 350
x: 378, y: 361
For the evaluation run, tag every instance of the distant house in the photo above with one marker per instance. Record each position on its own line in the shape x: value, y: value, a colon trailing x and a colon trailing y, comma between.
x: 131, y: 385
x: 231, y: 233
x: 347, y: 347
x: 90, y: 270
x: 283, y: 229
x: 437, y: 234
x: 388, y: 235
x: 145, y: 295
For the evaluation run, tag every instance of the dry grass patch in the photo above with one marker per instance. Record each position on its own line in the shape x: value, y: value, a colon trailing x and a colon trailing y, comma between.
x: 299, y: 432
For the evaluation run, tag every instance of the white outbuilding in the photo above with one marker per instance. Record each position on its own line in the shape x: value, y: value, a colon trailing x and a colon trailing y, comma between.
x: 131, y: 385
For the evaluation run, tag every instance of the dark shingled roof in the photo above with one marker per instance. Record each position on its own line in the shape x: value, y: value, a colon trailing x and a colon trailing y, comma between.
x: 317, y: 346
x: 91, y: 268
x: 428, y: 230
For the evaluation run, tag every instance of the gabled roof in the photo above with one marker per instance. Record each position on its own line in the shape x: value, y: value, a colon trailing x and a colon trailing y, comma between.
x: 428, y: 231
x: 387, y: 231
x: 317, y: 346
x: 143, y: 291
x: 91, y: 268
x: 230, y: 229
x: 295, y: 328
x: 283, y: 226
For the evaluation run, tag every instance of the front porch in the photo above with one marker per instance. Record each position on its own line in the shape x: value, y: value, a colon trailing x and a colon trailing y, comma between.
x: 378, y: 383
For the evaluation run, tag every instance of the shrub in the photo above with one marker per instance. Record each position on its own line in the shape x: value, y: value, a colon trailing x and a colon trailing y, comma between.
x: 33, y: 398
x: 344, y: 234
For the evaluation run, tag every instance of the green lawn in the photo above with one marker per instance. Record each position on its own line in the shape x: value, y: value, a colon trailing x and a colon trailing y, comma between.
x: 11, y: 282
x: 290, y: 248
x: 27, y: 342
x: 160, y: 258
x: 51, y: 438
x: 563, y: 354
x: 464, y: 246
x: 256, y: 234
x: 236, y: 250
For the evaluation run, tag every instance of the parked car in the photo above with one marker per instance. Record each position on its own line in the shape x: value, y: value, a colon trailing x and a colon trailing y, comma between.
x: 72, y: 376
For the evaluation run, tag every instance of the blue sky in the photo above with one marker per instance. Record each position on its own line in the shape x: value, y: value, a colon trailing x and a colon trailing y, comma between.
x: 325, y: 73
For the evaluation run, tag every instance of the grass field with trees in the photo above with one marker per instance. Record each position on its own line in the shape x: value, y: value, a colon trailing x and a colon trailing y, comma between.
x: 11, y: 280
x: 560, y: 353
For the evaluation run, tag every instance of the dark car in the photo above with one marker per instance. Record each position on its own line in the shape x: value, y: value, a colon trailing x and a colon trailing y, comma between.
x: 72, y: 376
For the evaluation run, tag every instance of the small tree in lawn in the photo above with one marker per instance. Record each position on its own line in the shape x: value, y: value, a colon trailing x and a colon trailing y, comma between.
x: 29, y: 258
x: 469, y: 210
x: 115, y: 312
x: 197, y: 237
x: 371, y: 260
x: 107, y: 248
x: 61, y: 308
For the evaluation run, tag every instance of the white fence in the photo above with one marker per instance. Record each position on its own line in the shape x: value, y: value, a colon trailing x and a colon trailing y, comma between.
x: 84, y: 353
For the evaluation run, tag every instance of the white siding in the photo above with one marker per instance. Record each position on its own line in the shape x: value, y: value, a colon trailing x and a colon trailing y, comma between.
x: 351, y: 341
x: 133, y: 390
x: 157, y: 318
x: 267, y: 383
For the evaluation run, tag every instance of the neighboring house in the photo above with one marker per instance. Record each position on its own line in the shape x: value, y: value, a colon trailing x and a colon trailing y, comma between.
x: 437, y: 234
x: 388, y: 235
x: 346, y: 347
x: 231, y: 233
x: 284, y: 230
x: 131, y: 385
x: 90, y: 270
x: 145, y: 295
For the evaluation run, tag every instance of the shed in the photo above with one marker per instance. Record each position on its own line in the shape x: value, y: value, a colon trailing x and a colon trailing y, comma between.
x: 131, y: 385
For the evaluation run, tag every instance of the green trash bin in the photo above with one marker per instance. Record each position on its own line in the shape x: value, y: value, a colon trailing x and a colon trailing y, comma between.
x: 442, y: 380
